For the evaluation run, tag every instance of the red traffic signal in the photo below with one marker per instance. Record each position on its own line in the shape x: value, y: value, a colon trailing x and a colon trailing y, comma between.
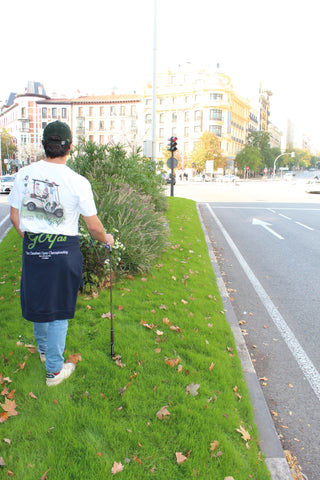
x: 172, y: 145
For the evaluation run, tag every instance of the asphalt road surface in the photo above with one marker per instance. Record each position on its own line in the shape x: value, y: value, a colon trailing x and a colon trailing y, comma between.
x: 266, y: 236
x: 4, y: 215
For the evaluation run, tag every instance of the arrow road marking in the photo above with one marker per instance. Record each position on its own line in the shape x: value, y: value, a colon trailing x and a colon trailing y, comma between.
x: 256, y: 221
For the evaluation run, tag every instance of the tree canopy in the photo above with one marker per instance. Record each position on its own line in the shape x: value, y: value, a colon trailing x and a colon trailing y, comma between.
x: 208, y: 148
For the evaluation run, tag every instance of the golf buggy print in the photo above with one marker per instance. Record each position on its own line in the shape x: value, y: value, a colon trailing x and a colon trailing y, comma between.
x: 44, y: 195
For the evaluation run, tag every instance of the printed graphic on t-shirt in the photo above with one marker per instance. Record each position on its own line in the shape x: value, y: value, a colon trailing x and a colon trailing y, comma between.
x: 41, y: 200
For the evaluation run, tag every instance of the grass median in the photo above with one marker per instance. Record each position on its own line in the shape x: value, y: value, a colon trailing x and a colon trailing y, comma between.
x: 172, y: 404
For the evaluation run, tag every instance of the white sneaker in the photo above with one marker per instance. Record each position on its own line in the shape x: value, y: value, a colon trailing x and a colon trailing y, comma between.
x: 56, y: 378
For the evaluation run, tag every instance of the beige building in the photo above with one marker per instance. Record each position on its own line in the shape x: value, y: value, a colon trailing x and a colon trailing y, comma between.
x: 190, y: 102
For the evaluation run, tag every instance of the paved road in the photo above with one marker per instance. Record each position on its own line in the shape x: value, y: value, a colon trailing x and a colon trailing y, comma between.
x: 4, y: 215
x: 268, y: 248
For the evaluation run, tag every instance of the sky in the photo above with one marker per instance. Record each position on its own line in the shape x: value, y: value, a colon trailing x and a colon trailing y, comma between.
x: 100, y: 45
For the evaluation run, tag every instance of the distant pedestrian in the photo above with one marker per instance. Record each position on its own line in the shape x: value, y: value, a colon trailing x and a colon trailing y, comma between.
x: 46, y: 201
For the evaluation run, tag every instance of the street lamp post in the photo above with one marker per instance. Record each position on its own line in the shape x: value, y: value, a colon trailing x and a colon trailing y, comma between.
x: 281, y: 154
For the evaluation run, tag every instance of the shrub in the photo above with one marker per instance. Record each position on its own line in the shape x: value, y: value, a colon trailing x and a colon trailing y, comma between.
x: 142, y: 230
x: 130, y: 197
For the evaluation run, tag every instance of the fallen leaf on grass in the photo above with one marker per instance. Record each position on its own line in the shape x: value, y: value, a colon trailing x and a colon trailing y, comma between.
x: 9, y: 407
x: 175, y: 329
x: 163, y: 413
x: 44, y: 476
x: 181, y: 458
x: 2, y: 462
x: 214, y: 445
x: 6, y: 440
x: 74, y: 358
x: 32, y: 395
x: 117, y: 467
x: 172, y: 362
x: 244, y: 434
x: 3, y: 417
x: 193, y: 389
x: 107, y: 315
x: 211, y: 366
x: 145, y: 324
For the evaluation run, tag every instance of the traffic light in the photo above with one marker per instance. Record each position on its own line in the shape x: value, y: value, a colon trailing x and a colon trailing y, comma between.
x: 172, y: 145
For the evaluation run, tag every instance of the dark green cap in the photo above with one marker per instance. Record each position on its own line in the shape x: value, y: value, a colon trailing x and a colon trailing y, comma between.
x: 57, y: 133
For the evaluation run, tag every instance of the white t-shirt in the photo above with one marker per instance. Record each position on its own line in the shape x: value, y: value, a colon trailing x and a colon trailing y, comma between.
x: 50, y: 197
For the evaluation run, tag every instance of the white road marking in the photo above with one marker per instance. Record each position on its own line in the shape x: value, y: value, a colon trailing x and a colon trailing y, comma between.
x: 284, y: 216
x: 302, y: 359
x: 257, y: 221
x: 305, y: 226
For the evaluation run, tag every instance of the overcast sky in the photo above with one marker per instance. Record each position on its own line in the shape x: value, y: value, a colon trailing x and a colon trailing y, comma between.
x: 97, y: 45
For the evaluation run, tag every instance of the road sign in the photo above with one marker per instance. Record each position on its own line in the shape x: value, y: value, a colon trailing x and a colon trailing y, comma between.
x: 172, y: 162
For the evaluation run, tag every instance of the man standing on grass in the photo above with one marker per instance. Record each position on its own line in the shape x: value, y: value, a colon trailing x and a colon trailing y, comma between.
x: 46, y: 201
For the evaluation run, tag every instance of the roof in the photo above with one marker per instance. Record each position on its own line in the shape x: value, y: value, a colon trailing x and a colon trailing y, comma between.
x: 107, y: 99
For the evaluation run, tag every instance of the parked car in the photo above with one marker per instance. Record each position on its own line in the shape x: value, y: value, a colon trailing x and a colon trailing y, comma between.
x: 313, y: 186
x: 288, y: 176
x: 6, y: 183
x: 227, y: 178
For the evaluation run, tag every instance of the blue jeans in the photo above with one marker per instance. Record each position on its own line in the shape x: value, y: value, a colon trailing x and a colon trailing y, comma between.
x: 51, y: 340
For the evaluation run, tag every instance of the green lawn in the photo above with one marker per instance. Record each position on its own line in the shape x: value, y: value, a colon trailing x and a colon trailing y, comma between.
x: 177, y: 351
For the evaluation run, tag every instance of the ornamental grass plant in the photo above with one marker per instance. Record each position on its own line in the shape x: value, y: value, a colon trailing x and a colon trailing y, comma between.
x: 172, y: 404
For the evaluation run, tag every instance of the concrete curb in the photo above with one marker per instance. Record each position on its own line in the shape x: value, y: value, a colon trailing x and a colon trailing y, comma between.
x: 269, y: 442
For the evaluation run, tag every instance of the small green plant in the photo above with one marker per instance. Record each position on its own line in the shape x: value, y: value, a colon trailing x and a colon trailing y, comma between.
x: 96, y: 261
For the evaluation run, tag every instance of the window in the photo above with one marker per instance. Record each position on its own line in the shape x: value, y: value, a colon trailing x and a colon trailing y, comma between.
x: 122, y: 110
x: 101, y: 111
x: 112, y: 111
x: 148, y: 118
x: 54, y: 113
x: 112, y: 124
x: 80, y: 112
x: 197, y: 98
x: 162, y: 100
x: 215, y: 114
x: 101, y: 125
x: 161, y: 118
x: 186, y: 131
x: 63, y: 112
x: 91, y: 111
x: 148, y: 101
x: 101, y: 139
x: 161, y: 132
x: 174, y: 100
x: 91, y: 138
x: 174, y: 131
x: 161, y: 147
x: 186, y: 99
x: 197, y: 115
x: 133, y: 110
x: 173, y: 79
x: 44, y: 112
x: 215, y: 96
x: 196, y: 129
x: 91, y: 125
x: 216, y: 129
x: 23, y: 112
x: 174, y: 117
x: 123, y: 124
x: 187, y: 116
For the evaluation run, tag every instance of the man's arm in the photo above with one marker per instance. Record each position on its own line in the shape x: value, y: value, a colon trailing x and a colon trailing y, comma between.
x: 15, y: 219
x: 96, y: 229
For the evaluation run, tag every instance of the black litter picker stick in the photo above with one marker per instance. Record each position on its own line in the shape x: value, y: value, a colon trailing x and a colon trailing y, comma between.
x: 109, y: 247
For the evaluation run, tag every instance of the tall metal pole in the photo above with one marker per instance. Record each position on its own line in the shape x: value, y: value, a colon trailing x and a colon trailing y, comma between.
x: 154, y: 82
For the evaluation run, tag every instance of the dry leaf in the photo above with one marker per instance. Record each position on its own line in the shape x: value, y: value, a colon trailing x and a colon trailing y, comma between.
x: 74, y: 358
x: 244, y: 434
x: 184, y: 301
x: 172, y: 362
x: 44, y: 476
x: 211, y: 366
x: 175, y: 329
x: 32, y: 395
x: 214, y: 445
x: 180, y: 457
x: 117, y: 467
x: 193, y: 389
x: 6, y: 440
x: 157, y: 350
x: 9, y: 407
x: 2, y: 462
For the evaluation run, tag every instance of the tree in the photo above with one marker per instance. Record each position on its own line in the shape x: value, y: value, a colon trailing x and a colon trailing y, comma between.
x: 250, y: 156
x: 208, y: 148
x: 8, y: 147
x: 261, y: 140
